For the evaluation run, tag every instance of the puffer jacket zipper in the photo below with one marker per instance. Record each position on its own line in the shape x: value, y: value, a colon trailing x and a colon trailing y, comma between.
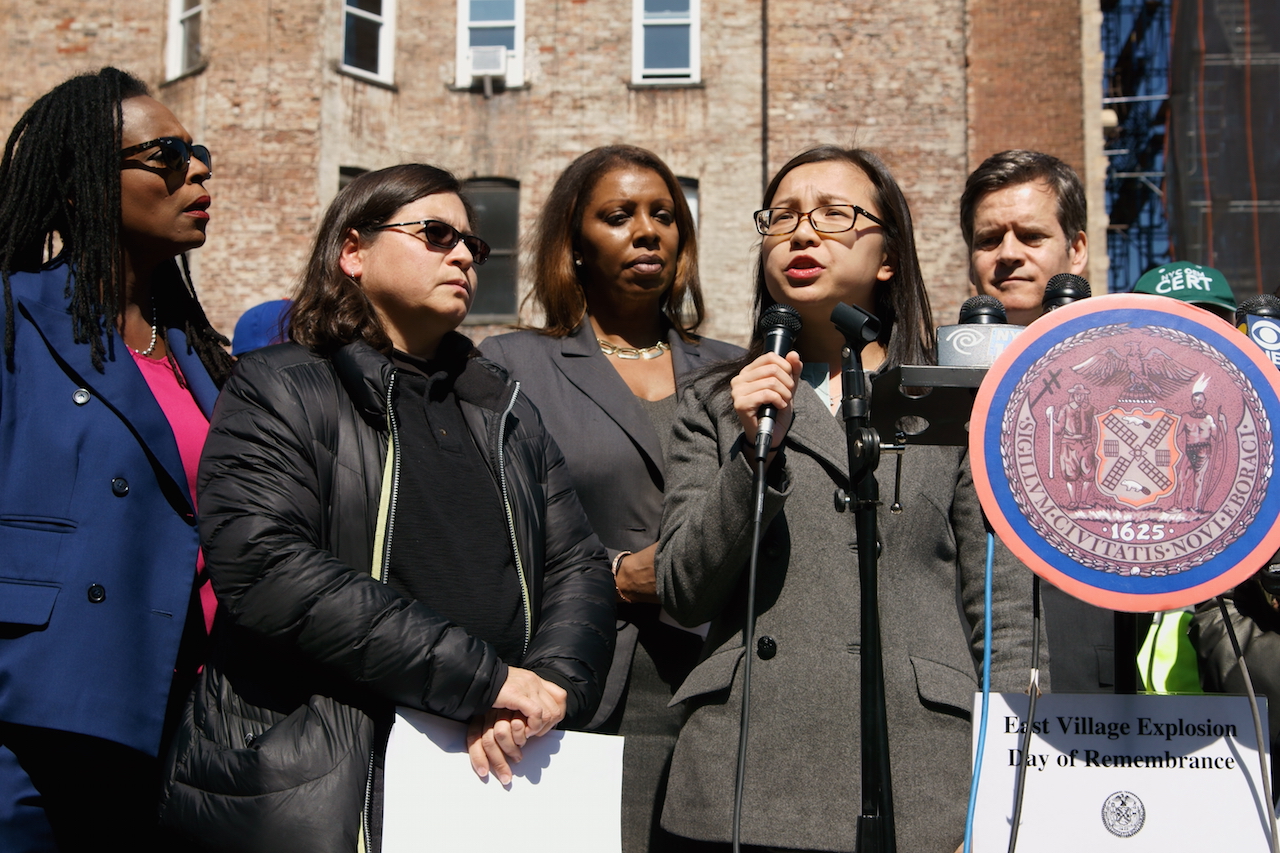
x: 511, y: 521
x: 381, y: 561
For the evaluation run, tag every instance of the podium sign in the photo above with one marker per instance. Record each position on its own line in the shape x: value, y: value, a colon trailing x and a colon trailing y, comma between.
x: 1125, y: 773
x: 1122, y: 448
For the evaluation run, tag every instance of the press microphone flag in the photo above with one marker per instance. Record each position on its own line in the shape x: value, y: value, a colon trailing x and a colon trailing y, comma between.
x: 780, y: 325
x: 1259, y: 318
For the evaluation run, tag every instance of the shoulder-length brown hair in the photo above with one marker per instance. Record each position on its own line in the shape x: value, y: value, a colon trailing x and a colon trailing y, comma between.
x: 557, y: 290
x: 330, y: 309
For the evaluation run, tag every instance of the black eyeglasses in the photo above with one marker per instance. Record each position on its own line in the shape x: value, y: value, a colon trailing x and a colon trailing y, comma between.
x: 827, y: 219
x: 442, y: 235
x: 175, y: 154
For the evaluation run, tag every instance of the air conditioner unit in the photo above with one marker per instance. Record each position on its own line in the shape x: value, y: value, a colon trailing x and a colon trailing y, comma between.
x: 488, y: 61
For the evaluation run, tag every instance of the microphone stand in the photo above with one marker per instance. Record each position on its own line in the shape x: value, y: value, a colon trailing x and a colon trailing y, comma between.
x: 875, y: 824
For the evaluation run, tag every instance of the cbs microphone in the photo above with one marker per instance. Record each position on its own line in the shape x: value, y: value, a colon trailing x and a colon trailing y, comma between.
x: 982, y: 334
x: 1259, y: 318
x: 779, y: 325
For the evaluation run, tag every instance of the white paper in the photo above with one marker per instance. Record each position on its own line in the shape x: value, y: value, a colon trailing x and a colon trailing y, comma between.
x: 1123, y: 773
x: 565, y: 795
x: 700, y: 630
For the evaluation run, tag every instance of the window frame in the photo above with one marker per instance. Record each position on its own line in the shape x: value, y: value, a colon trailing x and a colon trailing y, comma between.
x: 175, y: 49
x: 386, y: 42
x: 515, y: 56
x: 347, y: 174
x: 691, y: 189
x: 640, y: 76
x: 513, y: 186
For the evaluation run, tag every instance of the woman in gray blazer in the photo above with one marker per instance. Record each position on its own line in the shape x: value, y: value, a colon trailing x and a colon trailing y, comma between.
x: 836, y: 228
x: 616, y: 279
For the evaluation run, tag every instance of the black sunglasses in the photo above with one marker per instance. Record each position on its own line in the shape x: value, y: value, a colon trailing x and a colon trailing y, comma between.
x: 442, y: 235
x: 175, y: 154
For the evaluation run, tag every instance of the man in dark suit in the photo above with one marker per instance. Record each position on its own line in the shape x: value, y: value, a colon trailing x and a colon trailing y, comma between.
x: 1023, y: 215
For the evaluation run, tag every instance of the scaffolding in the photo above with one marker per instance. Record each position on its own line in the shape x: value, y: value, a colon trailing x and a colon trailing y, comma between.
x: 1223, y: 167
x: 1135, y: 41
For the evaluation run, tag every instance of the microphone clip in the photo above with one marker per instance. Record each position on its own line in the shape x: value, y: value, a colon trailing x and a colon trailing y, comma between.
x: 859, y: 329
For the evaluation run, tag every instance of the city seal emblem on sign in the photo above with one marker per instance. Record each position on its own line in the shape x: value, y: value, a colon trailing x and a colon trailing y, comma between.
x: 1156, y: 449
x: 1134, y: 446
x: 1123, y: 814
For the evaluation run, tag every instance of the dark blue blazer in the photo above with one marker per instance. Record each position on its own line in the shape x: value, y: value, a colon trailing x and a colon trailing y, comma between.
x: 98, y: 540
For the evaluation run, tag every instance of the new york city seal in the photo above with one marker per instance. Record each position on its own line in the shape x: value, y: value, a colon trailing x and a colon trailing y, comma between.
x: 1123, y: 814
x: 1123, y: 449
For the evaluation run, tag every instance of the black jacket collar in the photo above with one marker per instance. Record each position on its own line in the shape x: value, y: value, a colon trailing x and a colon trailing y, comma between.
x: 366, y: 373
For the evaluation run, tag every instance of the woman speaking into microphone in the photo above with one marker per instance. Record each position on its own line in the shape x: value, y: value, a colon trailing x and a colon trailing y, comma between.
x: 835, y: 228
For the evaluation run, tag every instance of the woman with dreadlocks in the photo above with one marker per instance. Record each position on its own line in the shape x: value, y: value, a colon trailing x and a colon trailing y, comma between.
x: 110, y: 373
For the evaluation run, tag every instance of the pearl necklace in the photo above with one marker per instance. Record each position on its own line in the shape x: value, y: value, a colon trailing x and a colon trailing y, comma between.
x: 155, y: 335
x: 633, y: 353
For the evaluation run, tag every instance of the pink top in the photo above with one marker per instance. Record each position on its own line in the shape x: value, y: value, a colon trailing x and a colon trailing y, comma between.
x: 190, y: 427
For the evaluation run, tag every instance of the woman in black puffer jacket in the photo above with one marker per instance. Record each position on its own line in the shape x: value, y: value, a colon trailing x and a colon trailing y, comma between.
x: 386, y: 522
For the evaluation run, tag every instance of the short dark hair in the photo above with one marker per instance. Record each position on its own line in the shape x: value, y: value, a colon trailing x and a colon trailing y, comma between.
x: 61, y: 170
x: 1019, y: 166
x: 557, y: 290
x: 330, y: 309
x: 901, y: 303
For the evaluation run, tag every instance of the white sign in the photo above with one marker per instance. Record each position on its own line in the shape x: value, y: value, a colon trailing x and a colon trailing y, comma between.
x: 1123, y: 773
x: 565, y: 795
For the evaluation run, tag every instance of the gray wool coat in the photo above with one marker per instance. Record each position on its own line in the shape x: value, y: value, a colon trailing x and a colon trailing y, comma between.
x: 614, y: 457
x: 803, y: 768
x: 612, y: 451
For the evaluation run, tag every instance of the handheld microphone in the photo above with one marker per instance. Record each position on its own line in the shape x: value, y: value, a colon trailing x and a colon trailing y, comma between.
x: 1063, y: 289
x: 1259, y: 318
x: 779, y: 325
x: 982, y: 334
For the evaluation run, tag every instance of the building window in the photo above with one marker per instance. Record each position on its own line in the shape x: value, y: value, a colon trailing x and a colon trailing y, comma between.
x: 347, y: 174
x: 497, y: 205
x: 368, y: 38
x: 490, y: 41
x: 689, y: 186
x: 664, y: 41
x: 184, y: 36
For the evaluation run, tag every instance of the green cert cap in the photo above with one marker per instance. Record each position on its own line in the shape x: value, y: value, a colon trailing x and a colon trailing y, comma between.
x: 1202, y: 286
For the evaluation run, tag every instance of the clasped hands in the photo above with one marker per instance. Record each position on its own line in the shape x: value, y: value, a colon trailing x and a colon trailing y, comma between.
x: 527, y: 706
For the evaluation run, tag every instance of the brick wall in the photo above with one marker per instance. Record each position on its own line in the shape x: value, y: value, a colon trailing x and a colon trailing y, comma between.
x: 898, y: 78
x: 1035, y: 81
x: 577, y: 96
x: 46, y: 42
x: 258, y: 106
x: 889, y: 77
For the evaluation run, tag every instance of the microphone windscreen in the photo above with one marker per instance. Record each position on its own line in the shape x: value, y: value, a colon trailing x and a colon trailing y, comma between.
x: 983, y: 310
x: 1063, y: 289
x: 779, y: 325
x: 1262, y: 305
